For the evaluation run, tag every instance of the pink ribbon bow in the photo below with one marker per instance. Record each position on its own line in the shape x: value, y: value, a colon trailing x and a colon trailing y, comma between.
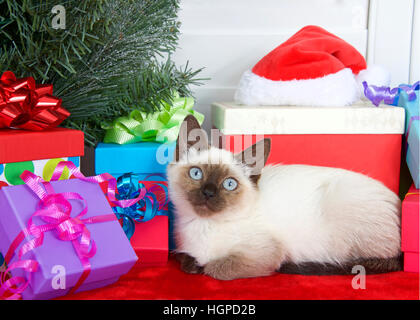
x: 54, y: 209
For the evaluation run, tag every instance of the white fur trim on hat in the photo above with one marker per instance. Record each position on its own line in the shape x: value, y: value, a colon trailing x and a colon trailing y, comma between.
x: 374, y: 75
x: 335, y: 89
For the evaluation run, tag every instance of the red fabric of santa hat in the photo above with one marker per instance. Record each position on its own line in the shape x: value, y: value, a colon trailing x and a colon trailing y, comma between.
x: 312, y: 68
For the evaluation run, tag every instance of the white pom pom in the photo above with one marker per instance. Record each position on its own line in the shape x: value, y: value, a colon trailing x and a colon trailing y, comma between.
x: 374, y: 75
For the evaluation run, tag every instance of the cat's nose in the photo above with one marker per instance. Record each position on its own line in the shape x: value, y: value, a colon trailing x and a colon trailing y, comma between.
x: 209, y: 190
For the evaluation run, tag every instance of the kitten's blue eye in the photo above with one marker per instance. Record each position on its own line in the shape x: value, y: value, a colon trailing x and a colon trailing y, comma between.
x: 230, y: 184
x: 196, y: 173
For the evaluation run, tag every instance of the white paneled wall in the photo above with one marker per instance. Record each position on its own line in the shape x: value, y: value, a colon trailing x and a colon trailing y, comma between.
x: 390, y: 34
x: 228, y: 37
x: 415, y: 45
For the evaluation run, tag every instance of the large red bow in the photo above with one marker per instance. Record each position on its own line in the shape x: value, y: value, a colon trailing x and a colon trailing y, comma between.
x: 26, y: 105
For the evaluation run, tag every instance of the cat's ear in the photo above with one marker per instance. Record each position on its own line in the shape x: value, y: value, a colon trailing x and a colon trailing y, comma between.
x: 255, y: 157
x: 190, y: 136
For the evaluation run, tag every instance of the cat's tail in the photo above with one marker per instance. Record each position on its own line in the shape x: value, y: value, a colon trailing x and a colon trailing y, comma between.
x: 370, y: 265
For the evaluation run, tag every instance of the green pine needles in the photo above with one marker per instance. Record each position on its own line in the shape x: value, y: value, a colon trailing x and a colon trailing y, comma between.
x: 112, y: 57
x: 31, y: 47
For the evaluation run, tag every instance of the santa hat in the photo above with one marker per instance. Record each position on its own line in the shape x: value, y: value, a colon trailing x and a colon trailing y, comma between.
x: 312, y: 68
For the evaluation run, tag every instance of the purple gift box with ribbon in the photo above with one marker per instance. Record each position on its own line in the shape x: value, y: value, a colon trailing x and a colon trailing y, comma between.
x: 85, y: 250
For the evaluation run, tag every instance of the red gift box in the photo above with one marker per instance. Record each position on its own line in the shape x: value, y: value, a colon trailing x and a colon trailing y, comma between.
x: 410, y: 230
x: 376, y: 155
x: 361, y: 138
x: 150, y: 239
x: 23, y: 145
x: 150, y: 242
x: 411, y: 262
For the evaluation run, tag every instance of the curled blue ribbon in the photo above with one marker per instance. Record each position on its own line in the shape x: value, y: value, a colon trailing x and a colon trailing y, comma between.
x: 388, y: 95
x: 130, y: 187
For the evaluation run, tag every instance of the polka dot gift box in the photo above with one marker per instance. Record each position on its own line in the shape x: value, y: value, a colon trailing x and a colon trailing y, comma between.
x: 10, y: 172
x: 38, y: 152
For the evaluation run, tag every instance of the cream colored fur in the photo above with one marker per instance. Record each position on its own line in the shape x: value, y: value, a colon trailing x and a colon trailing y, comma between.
x: 297, y: 213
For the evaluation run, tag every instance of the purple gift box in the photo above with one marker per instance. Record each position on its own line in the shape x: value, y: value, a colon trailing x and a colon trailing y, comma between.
x: 114, y: 256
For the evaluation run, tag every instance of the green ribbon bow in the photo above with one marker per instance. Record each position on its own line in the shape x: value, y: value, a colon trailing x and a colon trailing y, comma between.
x: 161, y: 126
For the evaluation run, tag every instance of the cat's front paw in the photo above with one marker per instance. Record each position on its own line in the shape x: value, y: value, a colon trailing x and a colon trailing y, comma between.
x: 227, y: 268
x: 188, y: 263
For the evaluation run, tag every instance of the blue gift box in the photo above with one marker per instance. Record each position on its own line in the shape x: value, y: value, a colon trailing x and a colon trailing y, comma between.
x: 139, y: 158
x: 142, y: 159
x: 412, y: 133
x: 414, y: 167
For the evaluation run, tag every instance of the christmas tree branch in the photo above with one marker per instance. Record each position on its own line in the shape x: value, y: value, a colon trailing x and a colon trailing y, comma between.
x: 103, y: 63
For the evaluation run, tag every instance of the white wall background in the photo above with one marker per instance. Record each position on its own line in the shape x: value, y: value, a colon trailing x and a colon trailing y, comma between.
x: 415, y: 45
x: 229, y: 36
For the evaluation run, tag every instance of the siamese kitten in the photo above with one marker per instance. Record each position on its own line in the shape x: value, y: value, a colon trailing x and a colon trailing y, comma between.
x: 232, y: 223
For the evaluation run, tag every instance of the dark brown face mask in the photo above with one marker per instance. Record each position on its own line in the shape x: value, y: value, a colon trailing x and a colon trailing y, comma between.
x: 210, y: 188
